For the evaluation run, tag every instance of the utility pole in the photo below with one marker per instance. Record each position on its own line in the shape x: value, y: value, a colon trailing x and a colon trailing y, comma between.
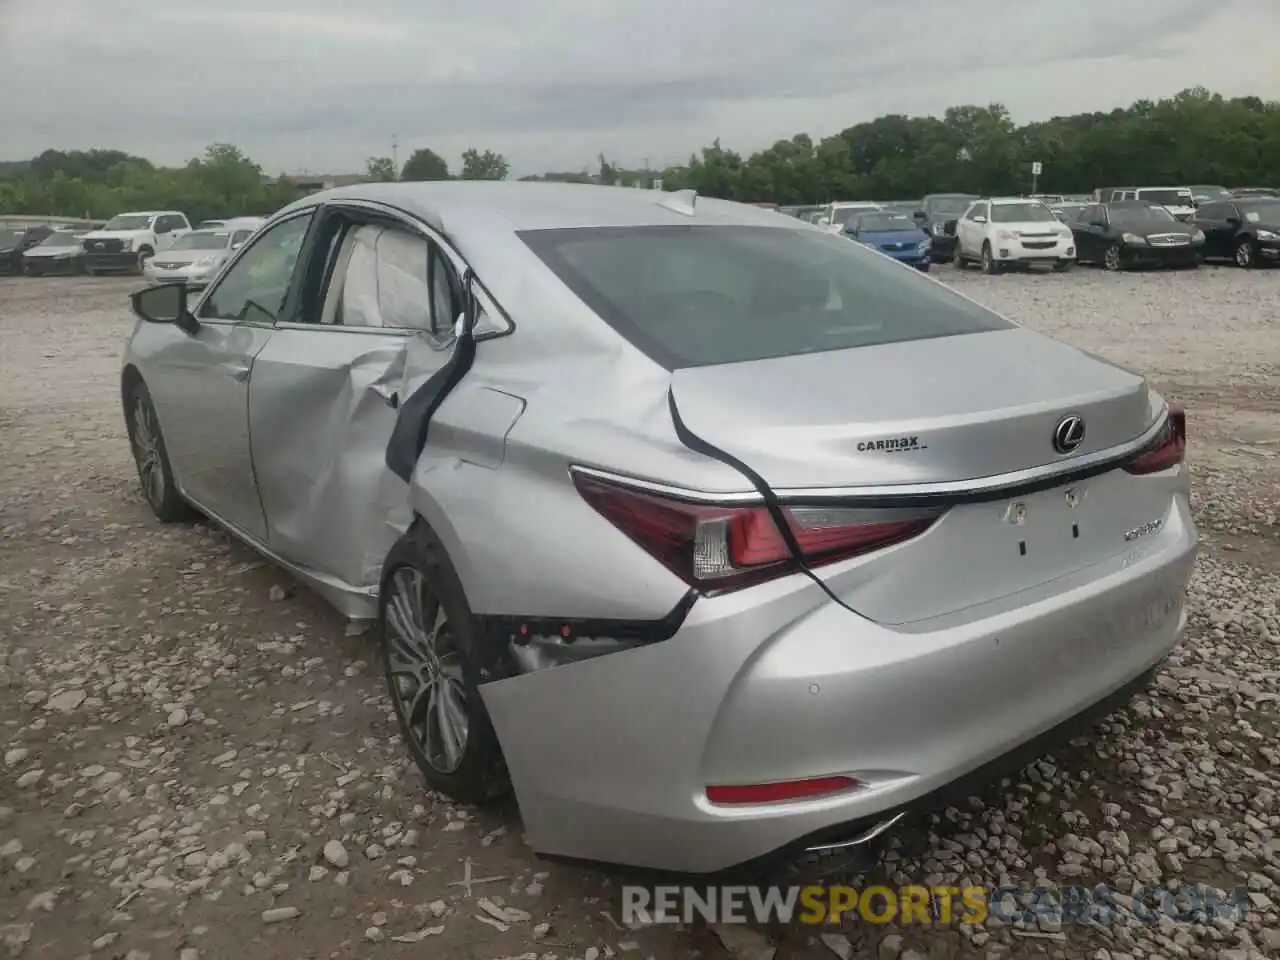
x: 395, y: 156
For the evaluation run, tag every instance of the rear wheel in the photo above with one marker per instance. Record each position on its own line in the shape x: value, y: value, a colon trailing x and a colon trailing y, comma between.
x: 429, y: 648
x: 152, y: 458
x: 1113, y: 260
x: 1244, y: 254
x: 990, y: 265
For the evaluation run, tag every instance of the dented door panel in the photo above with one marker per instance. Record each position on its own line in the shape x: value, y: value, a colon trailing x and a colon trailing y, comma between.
x: 320, y: 415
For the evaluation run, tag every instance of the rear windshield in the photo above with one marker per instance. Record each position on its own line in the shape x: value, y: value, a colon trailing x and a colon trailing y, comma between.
x: 842, y: 214
x: 1175, y: 198
x: 692, y: 296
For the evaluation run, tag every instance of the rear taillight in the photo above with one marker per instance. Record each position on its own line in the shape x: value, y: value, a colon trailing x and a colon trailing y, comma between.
x: 724, y: 548
x: 1167, y: 449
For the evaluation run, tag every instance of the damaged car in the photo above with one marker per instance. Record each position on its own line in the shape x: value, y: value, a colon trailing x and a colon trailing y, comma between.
x: 721, y: 541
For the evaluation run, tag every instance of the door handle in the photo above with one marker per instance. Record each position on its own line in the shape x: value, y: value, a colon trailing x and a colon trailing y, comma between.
x: 239, y: 372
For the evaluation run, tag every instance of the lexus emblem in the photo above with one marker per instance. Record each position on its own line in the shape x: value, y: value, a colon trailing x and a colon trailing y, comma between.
x: 1068, y: 434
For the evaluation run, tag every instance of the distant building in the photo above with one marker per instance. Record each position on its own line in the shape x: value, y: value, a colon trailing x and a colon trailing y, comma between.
x: 315, y: 182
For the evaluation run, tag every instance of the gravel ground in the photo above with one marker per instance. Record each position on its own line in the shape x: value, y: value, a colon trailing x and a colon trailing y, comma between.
x: 199, y: 761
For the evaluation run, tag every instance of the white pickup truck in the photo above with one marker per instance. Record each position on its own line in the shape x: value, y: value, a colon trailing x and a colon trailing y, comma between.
x: 129, y: 240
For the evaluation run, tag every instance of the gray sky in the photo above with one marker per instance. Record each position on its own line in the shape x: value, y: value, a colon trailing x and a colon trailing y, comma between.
x: 320, y: 85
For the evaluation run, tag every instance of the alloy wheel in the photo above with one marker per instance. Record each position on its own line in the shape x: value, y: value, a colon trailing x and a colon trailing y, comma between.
x: 1111, y: 259
x: 146, y: 452
x: 1244, y: 255
x: 426, y: 673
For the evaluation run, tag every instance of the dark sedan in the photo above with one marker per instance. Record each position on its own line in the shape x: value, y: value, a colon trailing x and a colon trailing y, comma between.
x: 1244, y: 231
x: 1132, y: 233
x: 14, y: 243
x: 59, y: 252
x: 937, y: 212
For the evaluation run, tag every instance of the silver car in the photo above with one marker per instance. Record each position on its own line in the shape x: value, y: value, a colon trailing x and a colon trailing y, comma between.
x: 195, y: 257
x: 719, y: 539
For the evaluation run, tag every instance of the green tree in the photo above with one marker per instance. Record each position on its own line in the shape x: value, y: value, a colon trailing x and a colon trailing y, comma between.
x: 380, y: 170
x: 424, y: 164
x: 484, y: 166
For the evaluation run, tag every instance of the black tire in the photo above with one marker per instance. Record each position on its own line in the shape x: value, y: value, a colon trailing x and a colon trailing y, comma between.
x: 144, y: 254
x: 957, y: 257
x: 90, y: 271
x: 1245, y: 256
x: 480, y: 774
x: 1063, y: 266
x: 155, y: 476
x: 1113, y: 259
x: 924, y: 267
x: 990, y: 266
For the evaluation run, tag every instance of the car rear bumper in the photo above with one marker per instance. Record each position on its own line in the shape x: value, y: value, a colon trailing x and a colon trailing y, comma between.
x: 610, y: 757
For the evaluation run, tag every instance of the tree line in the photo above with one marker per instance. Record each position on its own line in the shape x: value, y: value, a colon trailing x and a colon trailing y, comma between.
x: 1194, y: 137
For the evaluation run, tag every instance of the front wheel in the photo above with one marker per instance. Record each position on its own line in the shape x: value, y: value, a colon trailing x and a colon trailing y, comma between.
x: 957, y: 257
x: 145, y: 254
x: 1113, y: 260
x: 1244, y: 257
x: 152, y: 458
x: 990, y: 265
x: 430, y: 657
x: 1063, y: 266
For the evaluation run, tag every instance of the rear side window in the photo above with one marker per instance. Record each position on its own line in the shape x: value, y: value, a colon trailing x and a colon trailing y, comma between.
x: 692, y: 296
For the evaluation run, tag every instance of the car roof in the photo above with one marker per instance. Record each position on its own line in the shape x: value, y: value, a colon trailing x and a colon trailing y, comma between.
x: 473, y: 208
x: 1008, y: 200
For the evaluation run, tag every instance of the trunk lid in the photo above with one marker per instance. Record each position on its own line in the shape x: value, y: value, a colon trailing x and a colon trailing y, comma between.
x: 925, y: 411
x: 941, y: 411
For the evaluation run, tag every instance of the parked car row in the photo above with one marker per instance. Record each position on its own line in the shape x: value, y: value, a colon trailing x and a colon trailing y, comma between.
x: 1014, y: 232
x: 937, y: 215
x: 159, y: 244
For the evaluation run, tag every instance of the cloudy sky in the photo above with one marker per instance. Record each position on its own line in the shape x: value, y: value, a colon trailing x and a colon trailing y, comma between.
x: 319, y: 85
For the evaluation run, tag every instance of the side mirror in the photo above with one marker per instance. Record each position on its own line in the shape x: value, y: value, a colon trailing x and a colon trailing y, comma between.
x: 237, y: 245
x: 919, y: 216
x: 979, y: 219
x: 1233, y: 221
x: 166, y: 303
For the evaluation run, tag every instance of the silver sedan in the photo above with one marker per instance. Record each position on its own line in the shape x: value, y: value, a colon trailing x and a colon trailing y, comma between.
x: 197, y: 256
x: 719, y: 539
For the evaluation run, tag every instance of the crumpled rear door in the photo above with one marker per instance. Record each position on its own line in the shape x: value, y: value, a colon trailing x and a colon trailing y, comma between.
x: 324, y: 401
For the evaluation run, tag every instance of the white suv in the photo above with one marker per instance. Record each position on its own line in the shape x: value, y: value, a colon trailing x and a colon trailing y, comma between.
x: 836, y: 215
x: 129, y: 240
x: 1012, y: 232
